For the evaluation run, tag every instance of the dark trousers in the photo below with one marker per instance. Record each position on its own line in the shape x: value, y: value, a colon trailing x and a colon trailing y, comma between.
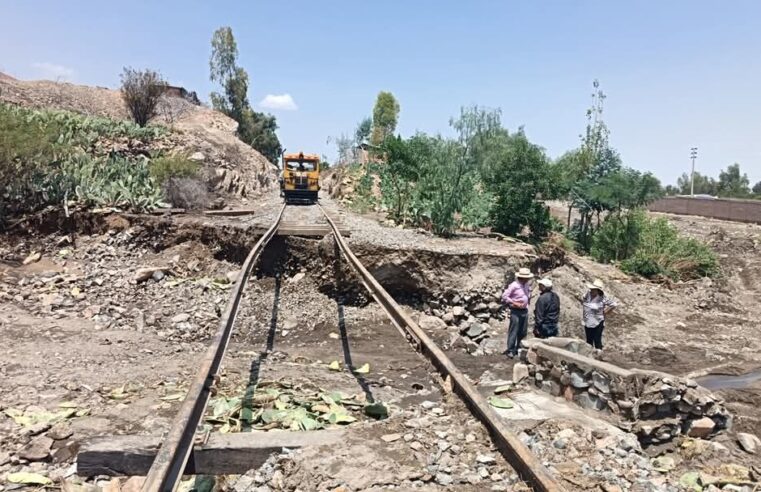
x: 517, y: 329
x: 594, y: 335
x: 546, y: 330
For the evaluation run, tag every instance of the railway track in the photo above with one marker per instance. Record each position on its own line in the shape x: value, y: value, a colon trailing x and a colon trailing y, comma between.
x: 173, y: 455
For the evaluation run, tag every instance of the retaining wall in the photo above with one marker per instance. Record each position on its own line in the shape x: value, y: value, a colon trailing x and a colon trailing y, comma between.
x: 655, y: 406
x: 727, y: 209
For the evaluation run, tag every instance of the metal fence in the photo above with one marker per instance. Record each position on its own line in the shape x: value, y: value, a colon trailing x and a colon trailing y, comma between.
x: 719, y: 208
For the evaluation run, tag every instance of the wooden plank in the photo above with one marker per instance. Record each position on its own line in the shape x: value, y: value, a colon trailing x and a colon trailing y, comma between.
x: 223, y: 454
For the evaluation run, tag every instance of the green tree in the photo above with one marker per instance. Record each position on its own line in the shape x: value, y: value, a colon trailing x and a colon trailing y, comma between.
x: 704, y: 185
x: 732, y: 183
x: 256, y: 129
x: 363, y: 130
x: 385, y: 117
x: 757, y: 188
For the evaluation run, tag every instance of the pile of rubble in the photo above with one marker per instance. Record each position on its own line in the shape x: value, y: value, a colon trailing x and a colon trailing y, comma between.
x: 657, y: 407
x: 470, y: 313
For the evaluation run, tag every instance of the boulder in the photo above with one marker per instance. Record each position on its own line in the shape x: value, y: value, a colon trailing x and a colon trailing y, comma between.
x: 748, y: 442
x: 38, y: 449
x: 520, y: 372
x: 458, y: 312
x: 480, y: 307
x: 431, y: 323
x: 448, y: 318
x: 701, y: 427
x: 494, y: 307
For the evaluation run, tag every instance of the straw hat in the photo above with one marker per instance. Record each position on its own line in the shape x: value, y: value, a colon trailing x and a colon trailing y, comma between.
x: 545, y: 282
x: 524, y: 273
x: 597, y: 284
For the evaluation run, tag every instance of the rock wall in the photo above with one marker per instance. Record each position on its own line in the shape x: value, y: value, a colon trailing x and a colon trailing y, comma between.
x: 655, y: 406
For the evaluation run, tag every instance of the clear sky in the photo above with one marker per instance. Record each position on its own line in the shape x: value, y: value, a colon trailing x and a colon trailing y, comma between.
x: 677, y: 73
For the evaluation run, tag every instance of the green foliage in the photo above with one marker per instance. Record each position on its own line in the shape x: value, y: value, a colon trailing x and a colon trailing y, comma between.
x: 141, y: 91
x: 704, y: 185
x: 518, y: 175
x: 475, y: 212
x: 363, y: 130
x: 385, y: 117
x: 42, y: 151
x: 256, y: 129
x: 175, y: 166
x: 732, y: 183
x: 757, y: 188
x: 111, y: 182
x: 662, y: 252
x: 652, y: 248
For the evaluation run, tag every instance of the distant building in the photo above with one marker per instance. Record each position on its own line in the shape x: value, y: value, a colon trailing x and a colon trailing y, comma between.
x: 182, y: 93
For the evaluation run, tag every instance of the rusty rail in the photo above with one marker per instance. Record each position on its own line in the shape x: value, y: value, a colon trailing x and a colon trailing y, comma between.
x: 514, y: 451
x: 168, y: 466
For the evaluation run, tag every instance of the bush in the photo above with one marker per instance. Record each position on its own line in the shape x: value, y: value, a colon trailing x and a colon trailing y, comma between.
x: 176, y: 166
x: 187, y: 193
x: 652, y: 248
x: 141, y: 91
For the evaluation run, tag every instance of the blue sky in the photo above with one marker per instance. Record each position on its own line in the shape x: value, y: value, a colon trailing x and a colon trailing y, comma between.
x: 677, y: 74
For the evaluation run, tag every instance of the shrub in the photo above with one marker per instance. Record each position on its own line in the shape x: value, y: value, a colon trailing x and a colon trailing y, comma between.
x: 176, y: 166
x: 188, y: 193
x: 141, y: 91
x: 652, y: 248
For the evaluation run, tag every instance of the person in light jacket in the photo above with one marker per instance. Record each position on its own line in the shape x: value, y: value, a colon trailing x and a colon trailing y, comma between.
x: 595, y: 306
x: 517, y: 297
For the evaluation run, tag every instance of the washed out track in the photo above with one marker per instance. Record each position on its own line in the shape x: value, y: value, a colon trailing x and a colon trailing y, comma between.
x: 173, y: 455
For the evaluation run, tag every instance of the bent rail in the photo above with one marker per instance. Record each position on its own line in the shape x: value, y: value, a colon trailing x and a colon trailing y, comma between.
x: 514, y: 451
x: 167, y: 468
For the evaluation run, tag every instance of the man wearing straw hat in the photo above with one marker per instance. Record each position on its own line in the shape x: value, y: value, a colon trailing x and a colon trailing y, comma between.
x: 517, y: 296
x: 595, y: 305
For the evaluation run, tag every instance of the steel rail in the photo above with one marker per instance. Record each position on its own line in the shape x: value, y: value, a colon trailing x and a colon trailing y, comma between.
x: 514, y: 451
x: 168, y: 466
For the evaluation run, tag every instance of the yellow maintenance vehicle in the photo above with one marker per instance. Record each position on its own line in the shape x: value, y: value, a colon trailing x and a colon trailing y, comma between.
x: 300, y: 180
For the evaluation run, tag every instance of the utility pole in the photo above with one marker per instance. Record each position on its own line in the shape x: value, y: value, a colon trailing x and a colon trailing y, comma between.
x: 693, y: 155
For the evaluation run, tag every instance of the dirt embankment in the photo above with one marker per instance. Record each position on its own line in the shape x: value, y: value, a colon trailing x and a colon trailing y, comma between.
x: 199, y: 132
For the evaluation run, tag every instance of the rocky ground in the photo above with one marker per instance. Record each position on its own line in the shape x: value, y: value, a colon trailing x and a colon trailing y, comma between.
x: 103, y: 340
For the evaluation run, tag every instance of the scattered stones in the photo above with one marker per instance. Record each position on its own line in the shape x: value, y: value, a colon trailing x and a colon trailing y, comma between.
x: 180, y: 318
x: 485, y: 459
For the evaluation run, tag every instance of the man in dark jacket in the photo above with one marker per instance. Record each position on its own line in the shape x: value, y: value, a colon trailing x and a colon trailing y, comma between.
x: 547, y: 311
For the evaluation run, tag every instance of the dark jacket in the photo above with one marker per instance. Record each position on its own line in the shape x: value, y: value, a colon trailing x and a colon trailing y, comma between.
x: 547, y: 311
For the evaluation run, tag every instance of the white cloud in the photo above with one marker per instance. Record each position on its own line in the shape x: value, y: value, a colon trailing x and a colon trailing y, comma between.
x: 53, y: 71
x: 283, y: 102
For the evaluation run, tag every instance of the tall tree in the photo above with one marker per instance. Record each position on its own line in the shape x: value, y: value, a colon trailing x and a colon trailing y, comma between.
x: 256, y: 129
x: 757, y: 188
x: 385, y: 117
x: 732, y: 182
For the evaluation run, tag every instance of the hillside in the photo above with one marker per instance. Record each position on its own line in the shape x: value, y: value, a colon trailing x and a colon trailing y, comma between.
x: 197, y: 131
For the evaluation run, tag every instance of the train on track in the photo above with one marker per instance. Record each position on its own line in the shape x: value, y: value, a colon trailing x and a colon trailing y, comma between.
x: 300, y: 179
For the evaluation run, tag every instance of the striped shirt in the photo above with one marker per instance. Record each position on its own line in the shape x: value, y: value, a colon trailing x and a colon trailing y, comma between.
x: 594, y: 309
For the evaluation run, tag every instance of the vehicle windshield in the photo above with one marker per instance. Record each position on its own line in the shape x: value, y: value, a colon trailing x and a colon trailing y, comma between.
x: 300, y: 165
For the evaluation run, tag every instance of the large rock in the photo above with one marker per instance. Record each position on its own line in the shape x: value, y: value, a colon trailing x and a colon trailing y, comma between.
x: 701, y: 427
x: 749, y: 442
x: 458, y: 311
x: 38, y: 449
x: 520, y: 372
x: 431, y: 323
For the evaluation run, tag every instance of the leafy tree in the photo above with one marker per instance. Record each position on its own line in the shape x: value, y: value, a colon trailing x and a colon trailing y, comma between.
x: 704, y: 185
x: 385, y: 117
x: 519, y: 173
x: 757, y: 188
x: 256, y: 129
x: 732, y: 183
x: 400, y: 173
x: 363, y: 130
x: 141, y: 91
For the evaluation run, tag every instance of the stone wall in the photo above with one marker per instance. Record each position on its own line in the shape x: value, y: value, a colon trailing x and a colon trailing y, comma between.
x: 655, y: 406
x: 719, y: 208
